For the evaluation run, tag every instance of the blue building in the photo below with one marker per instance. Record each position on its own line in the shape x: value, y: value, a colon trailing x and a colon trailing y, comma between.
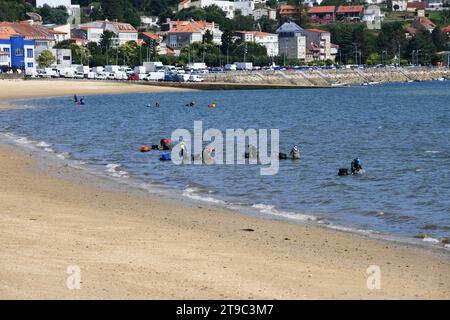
x: 17, y: 52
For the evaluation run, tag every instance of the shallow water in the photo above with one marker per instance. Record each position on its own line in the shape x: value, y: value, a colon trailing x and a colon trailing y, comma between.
x: 400, y: 131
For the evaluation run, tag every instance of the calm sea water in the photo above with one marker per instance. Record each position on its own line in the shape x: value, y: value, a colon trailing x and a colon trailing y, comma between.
x: 400, y: 131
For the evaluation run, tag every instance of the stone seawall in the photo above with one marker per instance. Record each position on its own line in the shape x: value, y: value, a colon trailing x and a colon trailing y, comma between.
x: 323, y: 78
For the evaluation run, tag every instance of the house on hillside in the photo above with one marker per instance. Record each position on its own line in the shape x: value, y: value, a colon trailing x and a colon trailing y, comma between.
x: 268, y: 40
x: 92, y: 31
x: 350, y: 13
x: 423, y: 23
x: 373, y: 17
x: 322, y: 15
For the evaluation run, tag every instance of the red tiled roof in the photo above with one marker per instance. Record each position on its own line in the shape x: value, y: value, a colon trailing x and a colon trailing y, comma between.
x: 56, y: 31
x: 151, y: 36
x: 350, y: 9
x: 416, y: 5
x: 324, y: 9
x: 185, y: 29
x: 29, y: 32
x: 287, y: 9
x: 427, y: 23
x: 316, y: 30
x: 411, y: 30
x: 191, y: 26
x: 7, y: 32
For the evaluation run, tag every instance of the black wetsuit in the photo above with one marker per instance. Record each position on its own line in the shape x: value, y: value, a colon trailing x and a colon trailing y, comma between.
x: 356, y: 167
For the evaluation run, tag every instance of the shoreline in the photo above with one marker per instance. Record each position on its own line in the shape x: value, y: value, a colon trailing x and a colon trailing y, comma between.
x: 132, y: 246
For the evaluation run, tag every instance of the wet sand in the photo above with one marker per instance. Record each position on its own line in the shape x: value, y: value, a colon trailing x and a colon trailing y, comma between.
x: 128, y: 245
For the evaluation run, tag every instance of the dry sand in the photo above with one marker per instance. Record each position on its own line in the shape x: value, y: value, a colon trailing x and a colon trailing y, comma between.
x: 132, y: 246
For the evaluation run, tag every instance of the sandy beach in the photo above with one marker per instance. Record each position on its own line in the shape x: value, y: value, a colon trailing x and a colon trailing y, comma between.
x: 128, y: 245
x: 22, y: 89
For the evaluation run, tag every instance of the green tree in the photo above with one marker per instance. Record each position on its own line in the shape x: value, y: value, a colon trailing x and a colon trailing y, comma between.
x: 373, y: 59
x: 106, y: 40
x: 422, y: 47
x: 14, y: 10
x: 51, y: 15
x: 46, y: 59
x: 208, y: 37
x: 267, y: 25
x: 391, y: 39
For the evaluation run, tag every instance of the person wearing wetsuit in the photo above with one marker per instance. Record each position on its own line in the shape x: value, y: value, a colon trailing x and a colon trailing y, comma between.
x: 295, y: 153
x: 356, y: 166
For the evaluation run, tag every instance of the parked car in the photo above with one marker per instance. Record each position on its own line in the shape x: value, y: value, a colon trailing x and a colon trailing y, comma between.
x: 195, y: 78
x: 133, y: 77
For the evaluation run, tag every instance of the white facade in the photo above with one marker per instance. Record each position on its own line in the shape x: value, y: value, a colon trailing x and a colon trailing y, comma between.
x: 29, y: 55
x: 93, y: 31
x: 436, y: 5
x: 373, y: 17
x: 227, y: 6
x: 265, y: 12
x: 245, y: 6
x: 374, y: 1
x: 399, y: 5
x: 149, y: 21
x: 310, y: 3
x: 268, y: 40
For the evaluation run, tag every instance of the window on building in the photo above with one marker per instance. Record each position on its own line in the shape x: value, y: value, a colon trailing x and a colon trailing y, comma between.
x: 29, y: 53
x: 19, y: 52
x: 66, y: 58
x: 30, y: 64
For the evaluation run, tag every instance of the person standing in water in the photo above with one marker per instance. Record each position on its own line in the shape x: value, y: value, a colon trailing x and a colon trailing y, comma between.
x: 157, y: 104
x: 295, y: 153
x: 356, y: 166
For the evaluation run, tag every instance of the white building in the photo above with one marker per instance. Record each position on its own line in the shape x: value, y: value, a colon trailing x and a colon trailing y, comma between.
x: 149, y: 21
x: 265, y: 12
x: 398, y: 5
x: 245, y: 6
x: 373, y: 17
x: 92, y: 31
x: 292, y: 41
x: 227, y: 6
x: 311, y: 3
x: 374, y: 1
x: 180, y: 26
x: 436, y: 5
x: 52, y: 3
x: 268, y: 40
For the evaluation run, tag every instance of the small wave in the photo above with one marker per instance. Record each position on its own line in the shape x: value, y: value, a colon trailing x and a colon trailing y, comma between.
x: 113, y: 170
x: 64, y: 155
x: 432, y: 151
x: 43, y: 144
x: 429, y: 239
x: 271, y: 210
x: 192, y: 193
x: 49, y: 150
